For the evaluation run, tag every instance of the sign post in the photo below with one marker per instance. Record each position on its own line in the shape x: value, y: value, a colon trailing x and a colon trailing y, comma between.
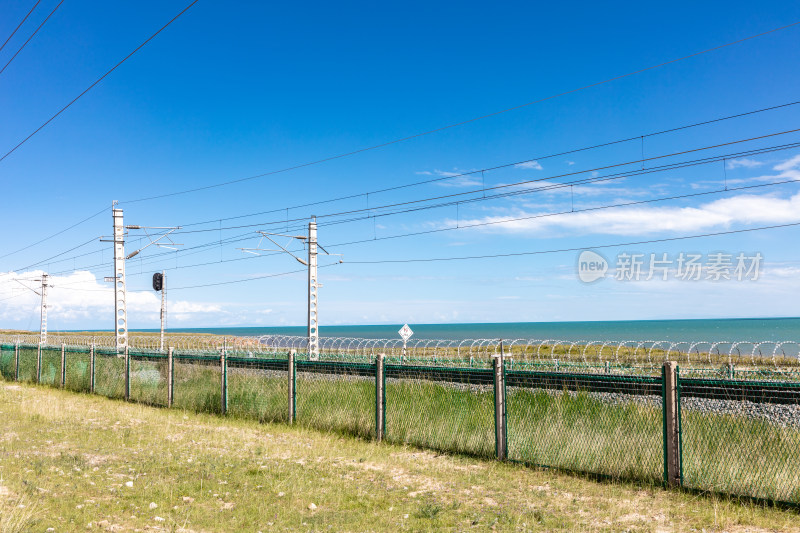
x: 405, y: 333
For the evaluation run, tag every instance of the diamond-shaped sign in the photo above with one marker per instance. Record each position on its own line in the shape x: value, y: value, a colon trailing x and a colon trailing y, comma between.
x: 405, y: 332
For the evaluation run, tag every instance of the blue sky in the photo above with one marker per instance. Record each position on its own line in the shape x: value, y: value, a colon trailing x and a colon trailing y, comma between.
x: 228, y: 92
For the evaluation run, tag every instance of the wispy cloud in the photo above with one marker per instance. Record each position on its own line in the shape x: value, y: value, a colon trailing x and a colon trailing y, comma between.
x: 724, y: 213
x: 789, y: 164
x: 454, y: 178
x: 744, y: 163
x: 529, y: 165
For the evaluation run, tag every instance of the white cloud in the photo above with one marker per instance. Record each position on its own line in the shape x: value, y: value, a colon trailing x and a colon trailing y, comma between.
x: 459, y: 179
x: 789, y: 164
x: 529, y: 164
x: 79, y: 298
x: 744, y: 163
x: 742, y: 209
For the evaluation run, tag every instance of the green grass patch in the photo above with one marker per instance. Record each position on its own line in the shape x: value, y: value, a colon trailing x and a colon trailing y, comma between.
x: 79, y: 461
x: 737, y: 455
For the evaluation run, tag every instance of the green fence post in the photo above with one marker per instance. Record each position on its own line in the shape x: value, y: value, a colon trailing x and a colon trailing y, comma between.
x: 501, y: 448
x: 292, y: 375
x: 680, y: 424
x: 672, y: 466
x: 39, y: 363
x: 380, y: 397
x: 16, y: 362
x: 63, y: 365
x: 170, y: 377
x: 223, y: 361
x: 91, y: 368
x: 127, y: 391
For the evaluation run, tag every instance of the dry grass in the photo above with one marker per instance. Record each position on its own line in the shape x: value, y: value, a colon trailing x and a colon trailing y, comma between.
x: 68, y: 459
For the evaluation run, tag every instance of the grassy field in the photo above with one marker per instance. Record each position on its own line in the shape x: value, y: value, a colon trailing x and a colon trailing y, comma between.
x: 570, y: 431
x: 73, y: 462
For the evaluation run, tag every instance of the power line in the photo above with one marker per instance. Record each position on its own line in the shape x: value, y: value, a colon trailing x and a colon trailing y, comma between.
x: 54, y: 234
x: 572, y: 211
x: 494, y: 256
x: 247, y: 279
x: 497, y: 167
x: 93, y: 239
x: 685, y: 164
x: 570, y: 184
x: 486, y: 169
x: 489, y: 223
x: 462, y: 123
x: 101, y: 78
x: 19, y: 25
x: 32, y: 35
x: 510, y: 185
x: 539, y: 252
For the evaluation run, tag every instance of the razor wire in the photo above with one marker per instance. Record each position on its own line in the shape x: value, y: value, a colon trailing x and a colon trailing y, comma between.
x: 603, y: 355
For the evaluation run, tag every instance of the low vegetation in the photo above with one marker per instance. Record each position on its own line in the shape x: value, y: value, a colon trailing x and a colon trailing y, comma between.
x: 621, y: 439
x: 80, y: 462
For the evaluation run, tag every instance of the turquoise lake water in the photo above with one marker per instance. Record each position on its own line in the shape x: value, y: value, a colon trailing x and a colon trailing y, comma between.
x: 743, y: 329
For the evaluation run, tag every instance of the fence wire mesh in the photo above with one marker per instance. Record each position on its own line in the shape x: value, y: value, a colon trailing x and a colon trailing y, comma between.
x: 258, y: 388
x: 77, y: 366
x: 27, y: 363
x: 739, y: 424
x: 50, y: 372
x: 109, y: 373
x: 448, y: 409
x: 148, y: 378
x: 608, y: 425
x: 197, y: 382
x: 741, y: 437
x: 7, y: 361
x: 336, y: 396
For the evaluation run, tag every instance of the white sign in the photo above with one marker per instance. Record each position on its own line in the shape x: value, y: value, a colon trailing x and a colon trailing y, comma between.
x: 405, y: 332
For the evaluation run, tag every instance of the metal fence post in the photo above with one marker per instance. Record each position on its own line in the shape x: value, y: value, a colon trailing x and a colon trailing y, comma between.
x: 501, y: 448
x: 223, y: 359
x: 63, y: 365
x: 380, y: 397
x: 291, y: 376
x: 91, y: 368
x: 170, y: 377
x: 127, y: 375
x: 16, y: 362
x: 672, y: 459
x: 39, y: 363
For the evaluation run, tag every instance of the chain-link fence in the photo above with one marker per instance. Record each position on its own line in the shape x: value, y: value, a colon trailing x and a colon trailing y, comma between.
x: 109, y: 373
x: 336, y: 396
x: 197, y: 382
x: 258, y: 388
x: 148, y: 378
x: 609, y: 425
x: 723, y: 428
x: 741, y: 437
x: 77, y: 369
x: 28, y: 356
x: 448, y: 409
x: 7, y: 362
x: 50, y: 367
